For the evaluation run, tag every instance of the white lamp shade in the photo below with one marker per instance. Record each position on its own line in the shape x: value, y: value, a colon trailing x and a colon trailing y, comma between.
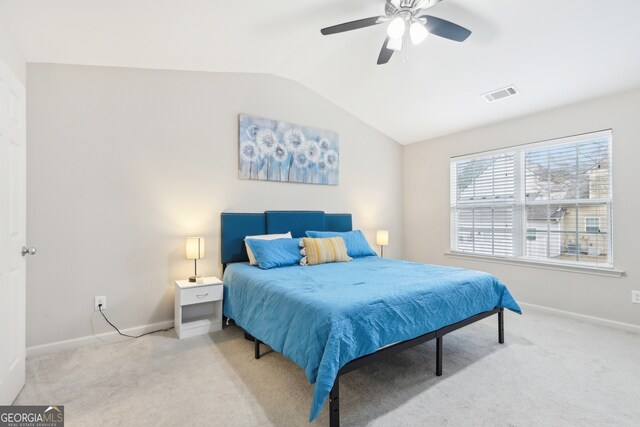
x: 396, y: 28
x: 395, y: 44
x: 382, y: 237
x: 418, y: 33
x: 195, y: 248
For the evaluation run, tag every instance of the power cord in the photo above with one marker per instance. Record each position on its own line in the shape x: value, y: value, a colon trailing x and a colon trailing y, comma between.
x: 129, y: 336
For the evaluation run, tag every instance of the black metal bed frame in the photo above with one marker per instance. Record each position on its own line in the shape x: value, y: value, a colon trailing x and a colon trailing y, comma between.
x: 384, y: 353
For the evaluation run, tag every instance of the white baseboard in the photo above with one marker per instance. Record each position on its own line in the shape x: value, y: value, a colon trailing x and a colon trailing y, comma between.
x: 583, y: 317
x: 137, y: 330
x: 95, y: 339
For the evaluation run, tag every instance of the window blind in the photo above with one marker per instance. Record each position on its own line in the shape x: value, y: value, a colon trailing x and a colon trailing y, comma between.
x: 548, y: 201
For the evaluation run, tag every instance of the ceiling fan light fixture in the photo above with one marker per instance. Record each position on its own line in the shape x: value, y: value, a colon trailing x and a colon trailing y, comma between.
x: 418, y: 33
x: 406, y: 24
x: 396, y: 28
x: 395, y: 44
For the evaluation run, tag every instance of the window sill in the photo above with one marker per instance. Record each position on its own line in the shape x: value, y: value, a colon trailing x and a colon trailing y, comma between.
x: 596, y: 271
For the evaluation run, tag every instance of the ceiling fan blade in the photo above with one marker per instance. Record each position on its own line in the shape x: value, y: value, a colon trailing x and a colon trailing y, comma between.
x: 353, y: 25
x: 443, y: 28
x: 385, y: 53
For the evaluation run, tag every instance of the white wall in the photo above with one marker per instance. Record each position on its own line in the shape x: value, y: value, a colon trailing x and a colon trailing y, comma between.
x: 125, y: 163
x: 10, y: 54
x: 426, y: 205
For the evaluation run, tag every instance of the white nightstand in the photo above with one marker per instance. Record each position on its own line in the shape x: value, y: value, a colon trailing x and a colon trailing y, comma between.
x: 198, y: 307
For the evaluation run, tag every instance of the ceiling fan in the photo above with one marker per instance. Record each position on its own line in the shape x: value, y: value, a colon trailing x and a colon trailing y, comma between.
x: 406, y: 22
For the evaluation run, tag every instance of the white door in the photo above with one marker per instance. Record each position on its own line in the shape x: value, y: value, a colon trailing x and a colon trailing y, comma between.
x: 13, y: 202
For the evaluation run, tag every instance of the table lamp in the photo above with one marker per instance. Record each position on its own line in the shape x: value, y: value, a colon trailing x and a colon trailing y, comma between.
x: 195, y: 251
x: 382, y: 240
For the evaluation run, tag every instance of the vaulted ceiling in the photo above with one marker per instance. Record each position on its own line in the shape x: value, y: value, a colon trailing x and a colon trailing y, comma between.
x: 555, y: 52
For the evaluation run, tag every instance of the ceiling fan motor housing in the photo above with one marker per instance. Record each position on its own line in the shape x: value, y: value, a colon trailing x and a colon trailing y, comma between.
x: 414, y: 5
x: 408, y: 10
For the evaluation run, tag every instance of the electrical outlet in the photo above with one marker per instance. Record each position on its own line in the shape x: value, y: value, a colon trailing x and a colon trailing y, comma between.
x: 100, y: 300
x: 635, y: 297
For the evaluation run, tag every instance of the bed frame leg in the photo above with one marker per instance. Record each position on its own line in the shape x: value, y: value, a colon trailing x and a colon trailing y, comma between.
x: 439, y: 356
x: 501, y: 326
x: 334, y: 404
x: 257, y: 346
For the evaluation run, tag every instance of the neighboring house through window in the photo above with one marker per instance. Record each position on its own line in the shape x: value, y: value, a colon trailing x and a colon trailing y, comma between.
x: 548, y: 201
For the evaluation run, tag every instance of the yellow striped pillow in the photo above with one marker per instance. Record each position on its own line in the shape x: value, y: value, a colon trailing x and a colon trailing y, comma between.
x: 320, y: 251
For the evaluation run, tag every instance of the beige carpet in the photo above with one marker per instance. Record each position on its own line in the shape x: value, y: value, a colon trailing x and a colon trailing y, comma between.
x: 552, y: 371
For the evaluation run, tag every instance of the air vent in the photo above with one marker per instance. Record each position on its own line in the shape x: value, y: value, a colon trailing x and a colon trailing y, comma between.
x: 501, y: 94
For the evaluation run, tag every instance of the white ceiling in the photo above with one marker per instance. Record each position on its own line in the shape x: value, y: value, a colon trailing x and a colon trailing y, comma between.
x: 555, y: 51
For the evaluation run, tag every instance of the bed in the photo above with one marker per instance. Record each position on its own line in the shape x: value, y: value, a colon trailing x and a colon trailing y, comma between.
x: 334, y: 318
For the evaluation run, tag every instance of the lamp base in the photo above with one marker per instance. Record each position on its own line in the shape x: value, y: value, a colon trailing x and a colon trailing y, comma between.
x: 195, y: 278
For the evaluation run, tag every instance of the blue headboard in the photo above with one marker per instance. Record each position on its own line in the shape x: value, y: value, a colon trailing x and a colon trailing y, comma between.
x: 235, y: 227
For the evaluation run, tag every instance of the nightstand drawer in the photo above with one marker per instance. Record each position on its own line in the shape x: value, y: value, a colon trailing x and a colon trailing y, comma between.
x: 201, y: 294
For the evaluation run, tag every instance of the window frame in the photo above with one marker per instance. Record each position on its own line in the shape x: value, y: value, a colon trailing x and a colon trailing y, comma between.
x: 519, y: 224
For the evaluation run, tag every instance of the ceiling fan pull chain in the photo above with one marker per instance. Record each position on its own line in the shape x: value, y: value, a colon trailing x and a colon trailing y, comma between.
x: 405, y: 48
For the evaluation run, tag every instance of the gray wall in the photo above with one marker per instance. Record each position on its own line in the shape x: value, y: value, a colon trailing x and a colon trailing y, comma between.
x: 426, y: 205
x: 123, y: 164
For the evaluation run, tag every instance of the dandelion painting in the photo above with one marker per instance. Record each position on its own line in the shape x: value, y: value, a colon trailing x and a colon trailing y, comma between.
x: 270, y: 150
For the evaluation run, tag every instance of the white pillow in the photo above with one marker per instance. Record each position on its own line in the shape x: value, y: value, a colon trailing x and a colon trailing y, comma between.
x: 252, y: 259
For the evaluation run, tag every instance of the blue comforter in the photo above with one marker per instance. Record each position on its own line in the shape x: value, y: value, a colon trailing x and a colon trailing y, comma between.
x: 324, y: 316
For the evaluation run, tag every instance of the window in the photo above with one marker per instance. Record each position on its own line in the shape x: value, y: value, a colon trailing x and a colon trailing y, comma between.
x: 531, y: 233
x: 592, y: 225
x: 548, y: 201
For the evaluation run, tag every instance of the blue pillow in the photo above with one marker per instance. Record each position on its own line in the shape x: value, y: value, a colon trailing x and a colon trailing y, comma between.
x: 357, y: 245
x: 275, y: 253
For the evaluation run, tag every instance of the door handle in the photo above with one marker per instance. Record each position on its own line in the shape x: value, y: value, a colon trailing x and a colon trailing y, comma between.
x: 28, y: 251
